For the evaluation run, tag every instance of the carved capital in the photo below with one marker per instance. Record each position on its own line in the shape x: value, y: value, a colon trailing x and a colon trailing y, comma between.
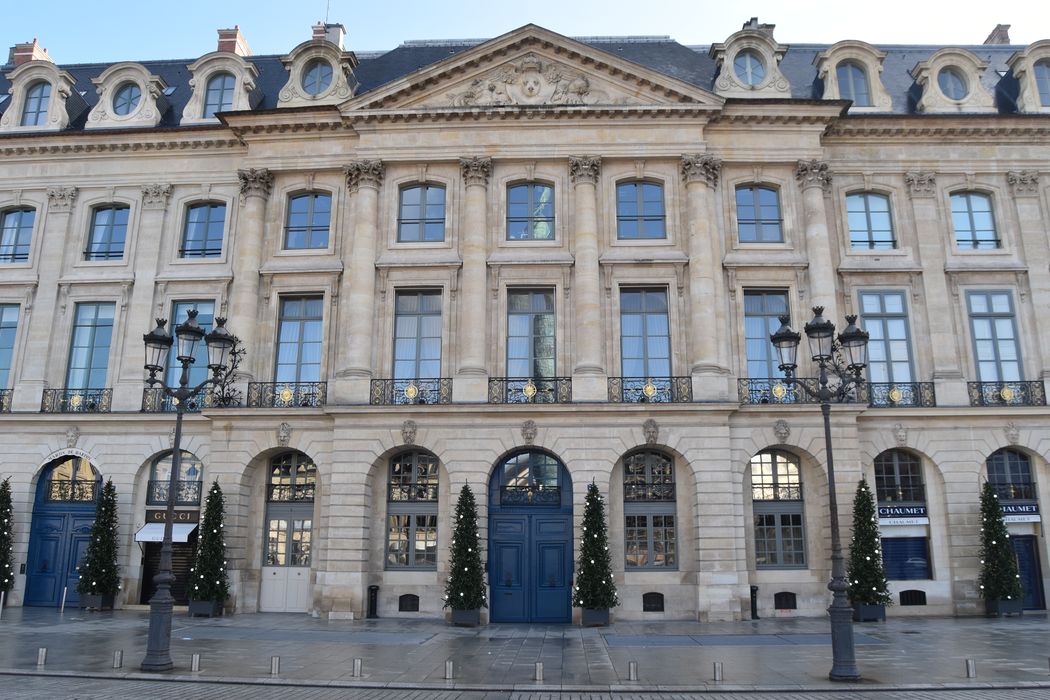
x: 813, y: 173
x: 920, y: 184
x: 155, y: 196
x: 476, y: 170
x: 1023, y: 183
x: 585, y: 169
x: 255, y: 182
x: 61, y: 198
x: 364, y: 173
x: 700, y: 168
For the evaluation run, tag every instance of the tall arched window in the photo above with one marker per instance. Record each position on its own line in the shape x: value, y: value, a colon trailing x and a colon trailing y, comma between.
x: 530, y: 212
x: 650, y: 529
x: 219, y: 95
x: 898, y: 478
x: 853, y: 83
x: 34, y: 110
x: 309, y: 219
x: 776, y: 499
x: 901, y: 494
x: 758, y: 216
x: 188, y: 486
x: 973, y: 221
x: 290, y: 496
x: 1010, y: 474
x: 72, y: 479
x: 640, y: 210
x: 16, y: 232
x: 421, y: 214
x: 412, y: 505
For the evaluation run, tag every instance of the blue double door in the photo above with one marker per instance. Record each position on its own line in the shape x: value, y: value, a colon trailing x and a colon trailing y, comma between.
x: 58, y: 541
x: 530, y: 567
x: 1027, y: 552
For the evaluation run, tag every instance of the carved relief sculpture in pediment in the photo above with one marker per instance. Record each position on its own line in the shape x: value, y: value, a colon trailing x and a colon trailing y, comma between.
x: 531, y: 81
x: 128, y: 95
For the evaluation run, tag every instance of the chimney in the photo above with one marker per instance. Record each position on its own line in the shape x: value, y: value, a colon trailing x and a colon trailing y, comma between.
x: 232, y: 41
x: 754, y: 25
x: 334, y: 33
x: 999, y: 35
x: 29, y: 51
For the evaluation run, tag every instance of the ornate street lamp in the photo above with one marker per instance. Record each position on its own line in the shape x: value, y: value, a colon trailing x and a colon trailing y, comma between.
x: 158, y: 342
x: 844, y: 360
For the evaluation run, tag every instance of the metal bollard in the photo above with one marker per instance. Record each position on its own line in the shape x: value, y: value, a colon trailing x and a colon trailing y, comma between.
x: 41, y: 656
x: 971, y: 668
x: 356, y: 673
x: 118, y: 658
x: 2, y: 594
x: 718, y: 672
x: 195, y: 663
x: 62, y: 608
x: 449, y: 668
x: 275, y: 665
x: 539, y: 671
x: 632, y: 670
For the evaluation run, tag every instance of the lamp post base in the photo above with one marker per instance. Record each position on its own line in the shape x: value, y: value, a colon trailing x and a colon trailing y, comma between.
x: 158, y: 643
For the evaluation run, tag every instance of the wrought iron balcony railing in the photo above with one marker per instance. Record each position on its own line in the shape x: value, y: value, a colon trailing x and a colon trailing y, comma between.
x: 6, y: 397
x: 76, y: 401
x: 287, y: 394
x: 1006, y: 393
x: 404, y: 392
x: 399, y: 493
x: 280, y: 493
x: 1015, y: 492
x: 71, y: 491
x: 775, y: 390
x: 900, y: 395
x: 530, y: 390
x: 650, y: 389
x: 187, y: 493
x: 530, y: 496
x: 899, y: 493
x: 648, y: 492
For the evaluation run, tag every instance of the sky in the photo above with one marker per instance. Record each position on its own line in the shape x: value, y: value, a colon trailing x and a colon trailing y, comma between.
x: 75, y: 31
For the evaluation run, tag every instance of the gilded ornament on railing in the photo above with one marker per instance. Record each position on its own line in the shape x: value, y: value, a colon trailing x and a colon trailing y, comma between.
x: 1007, y: 393
x: 529, y: 390
x: 649, y: 389
x: 895, y: 395
x: 779, y: 391
x: 286, y: 394
x: 411, y: 391
x: 75, y: 400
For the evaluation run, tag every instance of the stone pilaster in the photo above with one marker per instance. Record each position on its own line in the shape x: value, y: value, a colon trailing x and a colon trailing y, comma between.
x: 471, y: 380
x: 707, y: 289
x: 358, y: 287
x: 944, y: 339
x: 243, y: 311
x: 588, y: 376
x: 1024, y: 186
x: 815, y: 179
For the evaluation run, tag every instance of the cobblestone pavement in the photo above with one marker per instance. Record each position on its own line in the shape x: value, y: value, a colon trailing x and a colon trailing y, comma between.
x: 61, y: 688
x: 784, y: 654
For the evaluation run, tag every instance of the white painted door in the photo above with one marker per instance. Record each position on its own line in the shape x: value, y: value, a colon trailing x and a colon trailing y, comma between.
x: 285, y: 585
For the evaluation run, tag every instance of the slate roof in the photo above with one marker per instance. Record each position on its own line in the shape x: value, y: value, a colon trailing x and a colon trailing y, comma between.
x: 691, y: 64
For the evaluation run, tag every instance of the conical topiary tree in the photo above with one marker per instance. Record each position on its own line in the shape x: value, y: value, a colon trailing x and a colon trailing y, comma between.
x: 7, y: 536
x: 999, y: 579
x: 867, y: 577
x: 594, y: 587
x: 208, y: 578
x: 99, y: 574
x: 465, y: 588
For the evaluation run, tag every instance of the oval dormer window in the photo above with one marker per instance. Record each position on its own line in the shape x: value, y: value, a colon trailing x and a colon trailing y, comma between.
x: 126, y: 99
x: 317, y: 77
x: 952, y: 83
x: 750, y: 69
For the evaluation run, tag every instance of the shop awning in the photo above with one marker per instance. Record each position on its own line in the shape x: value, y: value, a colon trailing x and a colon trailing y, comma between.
x: 154, y: 532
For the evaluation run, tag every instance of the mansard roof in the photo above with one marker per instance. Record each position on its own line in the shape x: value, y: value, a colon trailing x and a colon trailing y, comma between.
x: 691, y: 65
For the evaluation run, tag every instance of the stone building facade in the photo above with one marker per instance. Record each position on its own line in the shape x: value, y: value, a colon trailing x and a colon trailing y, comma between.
x: 527, y: 264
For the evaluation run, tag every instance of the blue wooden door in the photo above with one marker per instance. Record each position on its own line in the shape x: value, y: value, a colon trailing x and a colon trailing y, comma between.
x: 1031, y: 575
x: 551, y: 566
x: 508, y: 562
x: 530, y: 565
x: 57, y: 545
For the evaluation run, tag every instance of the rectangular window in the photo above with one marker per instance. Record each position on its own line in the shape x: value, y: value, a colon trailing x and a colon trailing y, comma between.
x: 885, y: 317
x: 299, y: 340
x: 530, y: 212
x: 309, y: 216
x: 906, y: 558
x: 530, y: 334
x: 89, y: 349
x: 421, y: 214
x: 758, y: 215
x: 417, y: 335
x: 109, y: 229
x: 640, y: 210
x: 412, y: 541
x: 202, y: 236
x: 645, y: 337
x: 16, y: 231
x: 762, y: 312
x: 8, y: 329
x: 973, y: 221
x: 870, y: 225
x: 650, y: 541
x: 205, y: 319
x: 779, y: 540
x: 994, y: 336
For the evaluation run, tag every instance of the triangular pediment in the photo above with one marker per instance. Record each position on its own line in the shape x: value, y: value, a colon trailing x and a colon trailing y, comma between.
x: 532, y: 67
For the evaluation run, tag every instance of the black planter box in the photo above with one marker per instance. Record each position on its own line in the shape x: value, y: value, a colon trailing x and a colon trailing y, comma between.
x: 466, y: 618
x: 97, y: 602
x: 867, y: 612
x: 998, y: 608
x: 594, y: 617
x: 208, y: 608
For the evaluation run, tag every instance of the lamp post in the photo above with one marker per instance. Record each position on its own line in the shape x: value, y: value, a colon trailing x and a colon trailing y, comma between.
x: 844, y: 360
x: 158, y: 342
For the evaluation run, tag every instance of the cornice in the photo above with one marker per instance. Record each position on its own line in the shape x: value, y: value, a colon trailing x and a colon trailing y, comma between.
x: 97, y: 142
x: 926, y: 127
x: 529, y: 113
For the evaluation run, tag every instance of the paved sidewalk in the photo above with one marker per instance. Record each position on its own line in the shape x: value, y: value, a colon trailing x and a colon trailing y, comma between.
x: 781, y: 655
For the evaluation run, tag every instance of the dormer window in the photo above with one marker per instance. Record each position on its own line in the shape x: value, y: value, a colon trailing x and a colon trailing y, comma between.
x: 34, y: 111
x: 1042, y: 81
x: 952, y: 83
x: 219, y: 95
x: 853, y: 83
x: 317, y: 77
x: 852, y: 70
x: 749, y: 68
x: 127, y: 99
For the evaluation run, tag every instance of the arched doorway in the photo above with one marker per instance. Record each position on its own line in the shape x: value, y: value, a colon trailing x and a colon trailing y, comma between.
x: 530, y: 539
x: 63, y: 513
x: 288, y: 534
